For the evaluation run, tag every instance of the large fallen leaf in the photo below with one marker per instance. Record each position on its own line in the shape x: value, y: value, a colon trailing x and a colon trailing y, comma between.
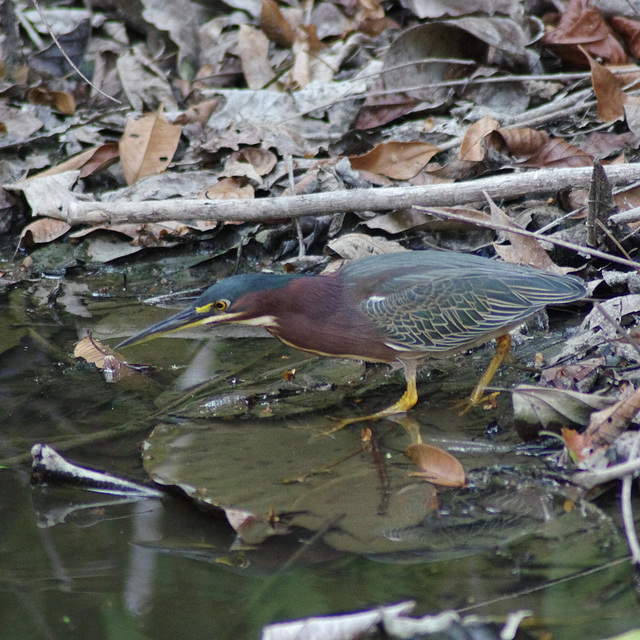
x: 521, y: 143
x: 147, y: 146
x: 545, y: 406
x: 249, y: 467
x: 629, y: 31
x: 428, y: 219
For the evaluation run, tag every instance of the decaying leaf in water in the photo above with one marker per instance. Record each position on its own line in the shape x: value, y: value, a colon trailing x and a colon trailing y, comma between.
x: 436, y: 465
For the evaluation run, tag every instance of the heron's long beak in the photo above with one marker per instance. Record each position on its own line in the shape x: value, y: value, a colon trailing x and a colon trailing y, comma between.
x: 187, y: 318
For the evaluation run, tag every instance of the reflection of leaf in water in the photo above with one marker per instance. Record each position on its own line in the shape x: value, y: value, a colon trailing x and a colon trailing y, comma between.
x: 243, y: 464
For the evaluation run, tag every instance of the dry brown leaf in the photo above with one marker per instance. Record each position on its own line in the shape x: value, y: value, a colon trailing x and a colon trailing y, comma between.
x: 629, y: 31
x: 88, y: 162
x: 147, y: 145
x: 572, y: 376
x: 397, y: 160
x: 63, y: 102
x: 558, y: 153
x: 43, y: 230
x: 582, y: 24
x: 379, y: 110
x: 609, y: 94
x: 606, y: 425
x: 522, y: 143
x: 601, y: 144
x: 357, y: 245
x: 632, y: 114
x: 229, y: 189
x: 472, y: 148
x: 436, y: 465
x: 275, y: 25
x: 110, y: 362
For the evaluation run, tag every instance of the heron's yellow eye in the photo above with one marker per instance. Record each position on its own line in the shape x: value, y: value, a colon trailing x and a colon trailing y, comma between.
x: 220, y: 305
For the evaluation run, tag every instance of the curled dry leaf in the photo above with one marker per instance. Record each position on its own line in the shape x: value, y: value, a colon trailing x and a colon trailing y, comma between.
x: 472, y: 148
x: 43, y: 230
x: 275, y: 25
x: 436, y: 465
x: 110, y: 362
x: 147, y: 145
x: 397, y: 160
x: 426, y: 218
x: 358, y: 245
x: 379, y: 110
x: 88, y: 162
x: 262, y: 161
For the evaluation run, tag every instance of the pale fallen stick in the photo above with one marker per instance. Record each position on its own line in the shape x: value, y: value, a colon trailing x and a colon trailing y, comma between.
x: 355, y: 200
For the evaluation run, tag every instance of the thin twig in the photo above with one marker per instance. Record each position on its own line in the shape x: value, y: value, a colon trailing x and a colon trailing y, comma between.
x: 316, y: 204
x: 627, y: 509
x: 67, y: 58
x: 590, y: 479
x: 594, y: 253
x: 623, y: 334
x: 292, y: 189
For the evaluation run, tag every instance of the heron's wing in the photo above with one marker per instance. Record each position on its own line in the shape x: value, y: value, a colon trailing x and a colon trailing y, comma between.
x: 446, y: 314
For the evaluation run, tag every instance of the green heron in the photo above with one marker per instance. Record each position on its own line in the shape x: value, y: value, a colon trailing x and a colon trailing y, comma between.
x: 400, y: 307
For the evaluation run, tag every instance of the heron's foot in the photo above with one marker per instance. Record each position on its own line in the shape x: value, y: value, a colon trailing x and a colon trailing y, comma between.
x: 408, y: 400
x: 487, y: 402
x: 341, y: 423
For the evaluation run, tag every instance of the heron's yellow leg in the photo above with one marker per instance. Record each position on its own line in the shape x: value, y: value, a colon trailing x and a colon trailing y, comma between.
x: 408, y: 400
x: 477, y: 395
